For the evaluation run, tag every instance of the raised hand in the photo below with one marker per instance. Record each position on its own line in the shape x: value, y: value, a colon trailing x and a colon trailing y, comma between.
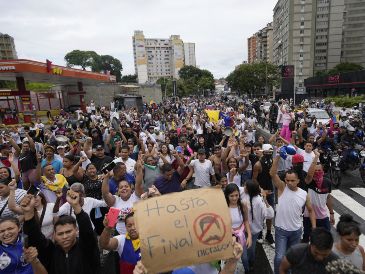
x: 27, y: 203
x: 73, y: 198
x: 12, y: 185
x: 30, y: 254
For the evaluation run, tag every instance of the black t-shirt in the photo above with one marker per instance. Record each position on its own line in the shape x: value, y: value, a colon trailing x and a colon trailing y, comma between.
x: 100, y: 162
x: 303, y: 262
x: 27, y: 160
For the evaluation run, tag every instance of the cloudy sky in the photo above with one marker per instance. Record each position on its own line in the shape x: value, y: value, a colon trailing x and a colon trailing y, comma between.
x: 219, y: 28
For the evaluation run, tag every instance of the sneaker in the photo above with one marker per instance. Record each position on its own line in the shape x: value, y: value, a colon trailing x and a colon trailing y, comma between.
x: 259, y: 238
x: 270, y: 239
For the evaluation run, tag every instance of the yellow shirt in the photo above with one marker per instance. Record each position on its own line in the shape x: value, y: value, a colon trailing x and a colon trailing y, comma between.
x: 57, y: 184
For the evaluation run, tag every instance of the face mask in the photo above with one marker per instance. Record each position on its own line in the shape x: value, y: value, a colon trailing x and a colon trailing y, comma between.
x: 318, y: 178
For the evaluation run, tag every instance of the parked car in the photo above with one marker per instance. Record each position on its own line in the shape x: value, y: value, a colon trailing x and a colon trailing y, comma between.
x: 320, y: 114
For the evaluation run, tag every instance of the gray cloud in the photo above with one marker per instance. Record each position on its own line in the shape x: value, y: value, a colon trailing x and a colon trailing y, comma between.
x: 50, y: 29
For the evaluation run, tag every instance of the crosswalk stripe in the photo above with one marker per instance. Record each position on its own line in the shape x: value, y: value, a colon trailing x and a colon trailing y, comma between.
x: 337, y: 219
x: 350, y: 203
x: 359, y: 190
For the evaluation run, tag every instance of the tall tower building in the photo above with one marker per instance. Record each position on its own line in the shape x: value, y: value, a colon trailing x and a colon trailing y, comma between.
x: 189, y: 51
x: 251, y: 46
x: 7, y: 47
x: 353, y: 47
x: 160, y: 57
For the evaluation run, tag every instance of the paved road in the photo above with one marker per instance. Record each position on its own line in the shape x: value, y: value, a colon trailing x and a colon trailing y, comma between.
x: 349, y: 198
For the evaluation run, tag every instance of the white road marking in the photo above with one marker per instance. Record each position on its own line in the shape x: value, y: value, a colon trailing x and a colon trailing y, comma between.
x: 349, y: 202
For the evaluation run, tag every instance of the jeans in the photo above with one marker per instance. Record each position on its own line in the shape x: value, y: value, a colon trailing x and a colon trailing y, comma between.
x: 307, y: 227
x: 246, y: 175
x: 251, y: 251
x: 244, y: 259
x: 283, y: 241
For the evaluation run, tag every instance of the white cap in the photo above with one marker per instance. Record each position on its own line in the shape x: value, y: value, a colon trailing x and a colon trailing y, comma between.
x: 267, y: 147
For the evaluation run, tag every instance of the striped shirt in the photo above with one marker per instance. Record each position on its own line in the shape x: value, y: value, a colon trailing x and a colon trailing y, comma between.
x: 19, y: 194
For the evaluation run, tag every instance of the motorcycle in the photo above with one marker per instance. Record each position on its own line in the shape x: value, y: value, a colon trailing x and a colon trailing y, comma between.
x: 354, y: 159
x: 331, y: 162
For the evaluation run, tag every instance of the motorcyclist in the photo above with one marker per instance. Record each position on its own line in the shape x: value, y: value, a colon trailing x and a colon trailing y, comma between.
x: 348, y: 142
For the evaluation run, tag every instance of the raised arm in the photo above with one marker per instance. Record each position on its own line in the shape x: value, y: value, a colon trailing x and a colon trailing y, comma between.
x: 106, y: 240
x: 138, y: 187
x: 107, y: 196
x: 308, y: 179
x: 88, y: 147
x: 13, y: 144
x: 11, y: 201
x: 75, y: 169
x: 279, y: 184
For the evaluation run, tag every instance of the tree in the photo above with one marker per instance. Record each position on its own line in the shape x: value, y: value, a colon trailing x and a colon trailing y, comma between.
x: 109, y: 63
x: 81, y: 58
x: 188, y: 72
x: 251, y: 78
x: 345, y: 67
x: 94, y: 61
x: 129, y: 78
x: 194, y: 80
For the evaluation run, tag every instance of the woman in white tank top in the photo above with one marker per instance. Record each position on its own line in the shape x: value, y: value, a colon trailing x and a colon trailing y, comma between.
x: 240, y: 225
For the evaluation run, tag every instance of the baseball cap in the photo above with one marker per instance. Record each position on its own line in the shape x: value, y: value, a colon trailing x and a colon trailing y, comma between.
x: 64, y: 146
x: 99, y: 147
x: 297, y: 158
x: 267, y: 147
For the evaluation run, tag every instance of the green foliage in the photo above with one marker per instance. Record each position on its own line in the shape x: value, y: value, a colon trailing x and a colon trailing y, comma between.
x: 38, y: 86
x: 7, y: 84
x: 94, y: 61
x: 344, y: 101
x: 33, y: 86
x: 339, y: 69
x: 129, y: 78
x: 251, y: 78
x: 194, y: 81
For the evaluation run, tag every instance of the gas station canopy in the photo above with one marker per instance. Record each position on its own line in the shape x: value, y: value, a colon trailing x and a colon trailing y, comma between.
x: 35, y: 71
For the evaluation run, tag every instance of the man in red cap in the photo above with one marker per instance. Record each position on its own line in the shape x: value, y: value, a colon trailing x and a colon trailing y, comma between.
x: 304, y: 178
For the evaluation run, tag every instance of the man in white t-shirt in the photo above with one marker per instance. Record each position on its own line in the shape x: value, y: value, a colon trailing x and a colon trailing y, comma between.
x: 307, y: 154
x: 203, y: 171
x: 129, y: 162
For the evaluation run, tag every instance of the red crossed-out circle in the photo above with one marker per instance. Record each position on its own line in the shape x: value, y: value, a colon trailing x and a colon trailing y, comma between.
x: 204, y: 232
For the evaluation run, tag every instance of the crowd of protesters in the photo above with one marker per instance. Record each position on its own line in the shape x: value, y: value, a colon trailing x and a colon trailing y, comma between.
x: 58, y: 179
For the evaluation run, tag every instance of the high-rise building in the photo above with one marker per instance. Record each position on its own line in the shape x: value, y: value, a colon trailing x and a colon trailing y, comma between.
x: 251, y: 46
x: 317, y: 35
x: 260, y: 45
x: 189, y: 54
x: 7, y: 47
x: 353, y: 47
x: 293, y: 36
x: 155, y: 57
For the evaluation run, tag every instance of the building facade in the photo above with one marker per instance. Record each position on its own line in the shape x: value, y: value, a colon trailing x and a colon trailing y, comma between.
x: 317, y: 35
x: 7, y: 47
x: 189, y: 54
x: 293, y: 33
x: 260, y: 45
x: 156, y: 58
x: 353, y: 47
x: 251, y: 47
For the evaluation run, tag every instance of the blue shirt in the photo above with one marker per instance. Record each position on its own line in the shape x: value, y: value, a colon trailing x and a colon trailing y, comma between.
x: 113, y: 185
x: 57, y: 165
x: 164, y: 186
x: 12, y: 259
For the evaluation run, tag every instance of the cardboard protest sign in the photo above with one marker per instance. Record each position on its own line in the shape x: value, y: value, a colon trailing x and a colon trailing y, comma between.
x: 185, y: 228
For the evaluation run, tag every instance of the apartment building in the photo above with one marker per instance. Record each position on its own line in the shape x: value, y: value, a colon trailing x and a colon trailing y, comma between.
x: 160, y: 57
x: 260, y: 45
x: 7, y: 47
